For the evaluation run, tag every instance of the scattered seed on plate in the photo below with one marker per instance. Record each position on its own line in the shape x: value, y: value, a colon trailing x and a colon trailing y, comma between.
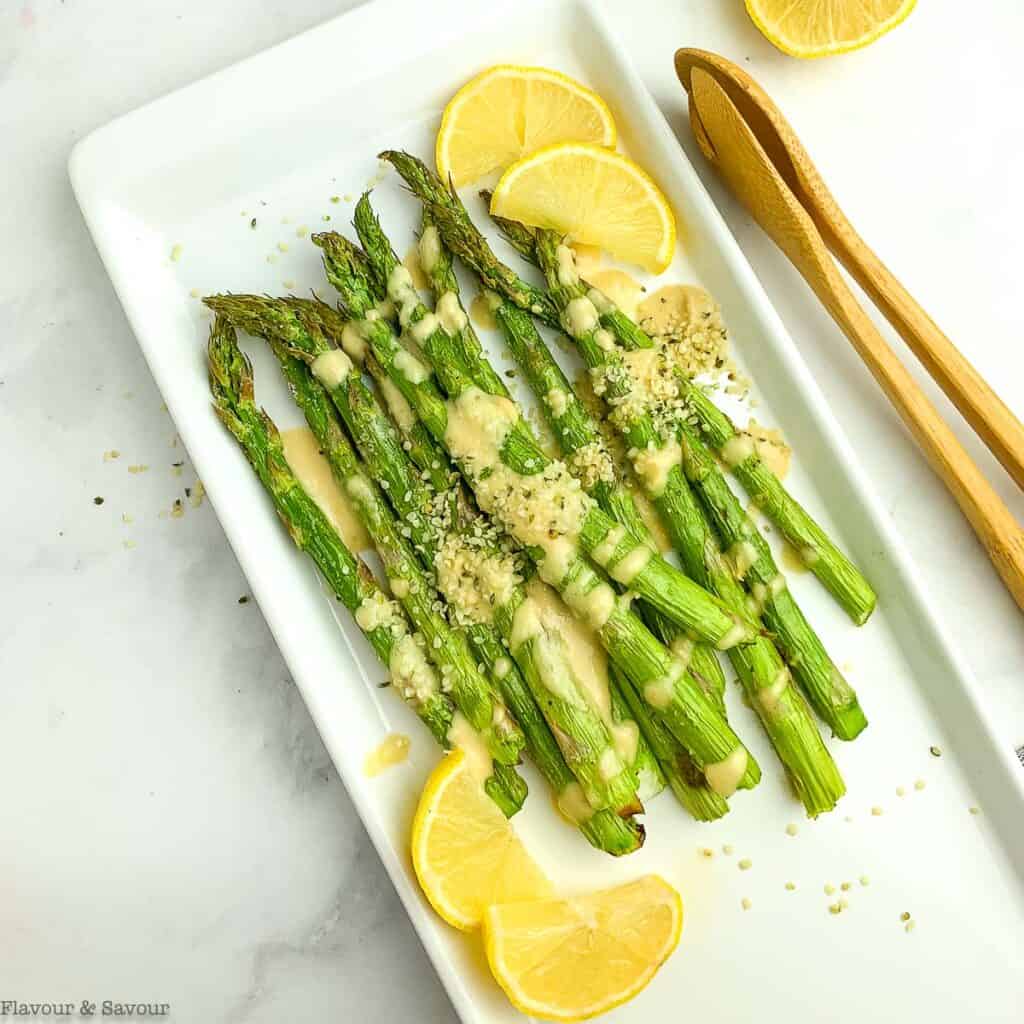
x: 282, y: 246
x: 727, y: 849
x: 900, y: 791
x: 905, y: 916
x: 746, y: 864
x: 301, y: 231
x: 835, y: 908
x: 335, y: 199
x: 910, y: 926
x: 829, y: 889
x: 111, y: 455
x: 791, y: 886
x: 347, y: 197
x: 271, y: 258
x: 791, y: 830
x: 252, y: 223
x: 244, y: 599
x: 935, y: 752
x: 706, y: 851
x: 746, y: 903
x: 289, y: 284
x: 876, y: 811
x: 97, y: 500
x: 326, y: 217
x: 974, y: 810
x: 175, y: 253
x: 195, y: 293
x: 846, y: 886
x: 139, y: 468
x: 864, y: 880
x: 919, y: 784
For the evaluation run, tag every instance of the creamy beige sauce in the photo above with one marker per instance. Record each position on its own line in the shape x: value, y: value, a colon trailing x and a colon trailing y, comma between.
x: 411, y: 262
x: 603, y: 552
x: 649, y: 514
x: 622, y: 288
x: 450, y: 314
x: 743, y: 555
x: 662, y: 313
x: 653, y: 465
x: 392, y: 750
x: 770, y: 696
x: 313, y: 472
x: 464, y: 737
x: 481, y: 312
x: 631, y: 565
x: 770, y: 445
x: 585, y: 657
x: 724, y: 776
x: 588, y: 258
x: 791, y: 560
x: 580, y: 317
x: 401, y: 411
x: 331, y: 368
x: 572, y: 804
x: 428, y: 249
x: 737, y: 449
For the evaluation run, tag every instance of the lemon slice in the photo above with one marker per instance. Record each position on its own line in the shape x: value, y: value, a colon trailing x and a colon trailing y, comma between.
x: 572, y: 959
x: 818, y: 28
x: 595, y: 195
x: 508, y: 111
x: 464, y: 851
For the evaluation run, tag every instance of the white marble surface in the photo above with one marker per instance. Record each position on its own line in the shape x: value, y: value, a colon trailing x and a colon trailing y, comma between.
x: 173, y: 830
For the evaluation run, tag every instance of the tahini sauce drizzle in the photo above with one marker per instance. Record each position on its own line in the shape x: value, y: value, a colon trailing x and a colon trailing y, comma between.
x: 313, y: 471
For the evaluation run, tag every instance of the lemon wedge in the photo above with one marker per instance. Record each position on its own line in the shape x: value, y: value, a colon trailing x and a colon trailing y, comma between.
x: 509, y: 111
x: 819, y: 28
x: 570, y: 959
x: 464, y: 851
x: 596, y: 196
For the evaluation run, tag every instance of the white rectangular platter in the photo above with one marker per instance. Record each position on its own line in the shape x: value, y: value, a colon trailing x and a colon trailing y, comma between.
x: 276, y: 137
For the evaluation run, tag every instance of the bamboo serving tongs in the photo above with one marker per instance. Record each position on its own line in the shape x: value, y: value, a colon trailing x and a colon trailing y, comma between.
x: 744, y: 135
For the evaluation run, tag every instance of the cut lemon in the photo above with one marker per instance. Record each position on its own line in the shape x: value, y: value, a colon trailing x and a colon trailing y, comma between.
x: 464, y: 851
x: 507, y: 112
x: 818, y: 28
x: 572, y: 959
x: 595, y: 195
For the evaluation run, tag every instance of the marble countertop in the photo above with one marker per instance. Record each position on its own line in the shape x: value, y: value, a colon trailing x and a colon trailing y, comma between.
x: 173, y: 830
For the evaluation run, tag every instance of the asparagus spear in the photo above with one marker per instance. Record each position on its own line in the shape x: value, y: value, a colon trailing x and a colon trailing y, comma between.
x: 514, y: 465
x: 824, y: 559
x: 381, y: 621
x: 262, y: 316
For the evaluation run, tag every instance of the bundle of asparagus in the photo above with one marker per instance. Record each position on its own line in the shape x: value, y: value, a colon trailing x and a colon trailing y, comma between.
x: 666, y: 446
x: 477, y: 528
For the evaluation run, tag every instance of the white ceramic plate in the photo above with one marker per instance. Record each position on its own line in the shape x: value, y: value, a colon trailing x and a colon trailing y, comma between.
x: 278, y: 135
